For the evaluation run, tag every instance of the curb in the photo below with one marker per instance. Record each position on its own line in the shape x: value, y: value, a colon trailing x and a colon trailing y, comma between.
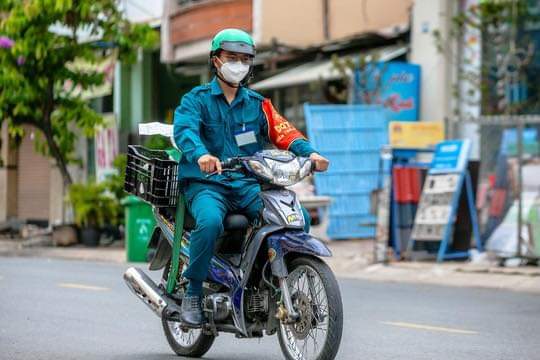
x: 348, y: 267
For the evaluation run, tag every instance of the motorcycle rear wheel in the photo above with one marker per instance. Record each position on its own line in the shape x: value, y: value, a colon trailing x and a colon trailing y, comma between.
x: 183, y: 341
x: 186, y: 342
x: 316, y: 297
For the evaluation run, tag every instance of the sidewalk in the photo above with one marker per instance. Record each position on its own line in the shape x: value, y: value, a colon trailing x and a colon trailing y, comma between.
x: 41, y: 247
x: 352, y: 259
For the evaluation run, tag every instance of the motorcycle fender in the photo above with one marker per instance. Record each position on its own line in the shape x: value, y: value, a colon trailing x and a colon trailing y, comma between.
x: 162, y: 254
x: 282, y: 243
x: 154, y: 239
x: 299, y: 242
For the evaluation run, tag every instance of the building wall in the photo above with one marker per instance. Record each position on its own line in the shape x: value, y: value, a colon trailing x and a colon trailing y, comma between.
x: 133, y: 96
x: 202, y: 21
x: 350, y: 17
x: 435, y: 89
x: 33, y: 180
x: 296, y: 23
x: 8, y: 177
x: 31, y: 187
x: 301, y: 22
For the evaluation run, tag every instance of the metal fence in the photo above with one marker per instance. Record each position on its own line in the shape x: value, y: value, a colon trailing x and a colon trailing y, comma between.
x: 509, y: 180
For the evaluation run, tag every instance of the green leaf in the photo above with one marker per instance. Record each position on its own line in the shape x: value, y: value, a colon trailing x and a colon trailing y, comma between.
x: 26, y: 95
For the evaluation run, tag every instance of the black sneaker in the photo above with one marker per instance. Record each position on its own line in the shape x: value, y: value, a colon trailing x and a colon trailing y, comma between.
x: 192, y: 314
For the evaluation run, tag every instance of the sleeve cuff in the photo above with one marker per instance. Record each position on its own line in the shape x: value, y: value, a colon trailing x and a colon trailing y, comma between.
x: 302, y: 147
x: 198, y: 153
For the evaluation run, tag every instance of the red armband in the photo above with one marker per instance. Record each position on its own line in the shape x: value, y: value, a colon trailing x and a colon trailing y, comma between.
x: 280, y: 131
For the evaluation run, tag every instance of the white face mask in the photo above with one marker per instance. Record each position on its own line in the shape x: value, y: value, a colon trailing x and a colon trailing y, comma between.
x: 234, y: 72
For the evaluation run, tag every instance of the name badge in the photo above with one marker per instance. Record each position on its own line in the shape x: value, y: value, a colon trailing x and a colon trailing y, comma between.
x: 245, y: 137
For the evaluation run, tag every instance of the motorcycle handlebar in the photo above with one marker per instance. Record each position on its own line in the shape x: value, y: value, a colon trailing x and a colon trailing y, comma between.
x: 229, y: 163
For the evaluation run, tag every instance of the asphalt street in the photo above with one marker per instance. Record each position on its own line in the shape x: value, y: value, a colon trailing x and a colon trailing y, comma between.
x: 58, y: 309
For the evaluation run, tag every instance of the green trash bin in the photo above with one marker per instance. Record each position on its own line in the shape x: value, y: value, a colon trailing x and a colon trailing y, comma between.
x: 140, y: 223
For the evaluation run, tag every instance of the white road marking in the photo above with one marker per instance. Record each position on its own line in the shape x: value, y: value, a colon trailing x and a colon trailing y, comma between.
x: 83, y: 287
x: 428, y: 327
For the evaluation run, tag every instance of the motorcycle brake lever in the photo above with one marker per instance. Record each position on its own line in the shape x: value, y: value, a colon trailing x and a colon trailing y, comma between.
x: 222, y: 171
x: 313, y: 167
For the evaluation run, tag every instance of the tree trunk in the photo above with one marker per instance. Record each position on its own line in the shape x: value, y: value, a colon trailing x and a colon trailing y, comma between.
x: 48, y: 132
x: 57, y: 155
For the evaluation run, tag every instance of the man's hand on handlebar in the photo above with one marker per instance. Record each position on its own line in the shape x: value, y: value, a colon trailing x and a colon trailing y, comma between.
x: 209, y: 164
x: 321, y: 163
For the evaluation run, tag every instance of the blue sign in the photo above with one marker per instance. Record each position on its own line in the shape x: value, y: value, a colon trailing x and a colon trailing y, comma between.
x: 450, y: 156
x: 398, y: 89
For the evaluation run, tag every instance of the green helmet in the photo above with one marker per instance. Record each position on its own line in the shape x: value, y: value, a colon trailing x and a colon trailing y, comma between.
x: 234, y: 40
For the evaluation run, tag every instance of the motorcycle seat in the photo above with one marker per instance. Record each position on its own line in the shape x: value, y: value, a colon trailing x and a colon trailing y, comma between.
x: 231, y: 222
x: 235, y: 222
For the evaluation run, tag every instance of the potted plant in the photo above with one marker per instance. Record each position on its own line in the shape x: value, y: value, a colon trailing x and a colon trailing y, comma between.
x: 94, y: 206
x: 114, y: 183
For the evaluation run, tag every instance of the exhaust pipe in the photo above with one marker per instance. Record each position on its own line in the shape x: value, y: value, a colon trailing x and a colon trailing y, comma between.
x: 146, y: 290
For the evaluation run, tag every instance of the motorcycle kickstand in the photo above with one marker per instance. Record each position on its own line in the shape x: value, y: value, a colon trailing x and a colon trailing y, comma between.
x: 210, y: 327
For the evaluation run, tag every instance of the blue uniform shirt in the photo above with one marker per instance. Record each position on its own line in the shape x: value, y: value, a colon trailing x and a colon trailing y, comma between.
x: 205, y: 123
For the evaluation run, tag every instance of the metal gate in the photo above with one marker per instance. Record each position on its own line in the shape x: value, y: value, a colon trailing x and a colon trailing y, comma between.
x: 33, y: 181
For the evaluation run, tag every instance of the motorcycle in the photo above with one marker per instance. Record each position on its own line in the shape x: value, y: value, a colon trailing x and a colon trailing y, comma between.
x: 266, y: 277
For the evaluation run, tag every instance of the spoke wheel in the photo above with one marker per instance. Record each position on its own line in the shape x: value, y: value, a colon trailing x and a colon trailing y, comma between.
x: 315, y: 296
x: 184, y: 336
x: 186, y: 342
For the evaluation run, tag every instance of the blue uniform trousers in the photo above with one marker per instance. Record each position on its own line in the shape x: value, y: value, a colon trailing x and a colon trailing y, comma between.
x: 208, y: 204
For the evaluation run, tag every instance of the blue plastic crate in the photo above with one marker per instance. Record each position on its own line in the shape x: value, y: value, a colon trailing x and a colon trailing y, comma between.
x: 350, y: 136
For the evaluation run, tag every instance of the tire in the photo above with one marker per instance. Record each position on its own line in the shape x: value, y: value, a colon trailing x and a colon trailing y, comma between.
x: 333, y: 316
x: 200, y: 345
x: 201, y: 342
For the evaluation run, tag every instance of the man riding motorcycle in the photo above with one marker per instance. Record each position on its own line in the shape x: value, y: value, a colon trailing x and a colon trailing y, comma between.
x: 216, y: 121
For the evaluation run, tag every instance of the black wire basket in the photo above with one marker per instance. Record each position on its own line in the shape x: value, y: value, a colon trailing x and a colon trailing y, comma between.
x: 152, y: 176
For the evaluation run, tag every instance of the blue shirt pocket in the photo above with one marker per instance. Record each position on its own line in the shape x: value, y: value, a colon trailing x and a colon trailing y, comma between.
x: 213, y: 136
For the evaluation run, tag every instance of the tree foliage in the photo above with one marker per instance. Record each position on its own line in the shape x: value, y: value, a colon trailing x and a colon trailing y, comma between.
x: 40, y: 41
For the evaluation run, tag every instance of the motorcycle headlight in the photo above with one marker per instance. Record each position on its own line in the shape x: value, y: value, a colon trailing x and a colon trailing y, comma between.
x: 285, y: 173
x: 260, y: 169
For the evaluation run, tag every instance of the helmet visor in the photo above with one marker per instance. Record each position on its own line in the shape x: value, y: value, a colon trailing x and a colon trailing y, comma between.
x: 237, y: 47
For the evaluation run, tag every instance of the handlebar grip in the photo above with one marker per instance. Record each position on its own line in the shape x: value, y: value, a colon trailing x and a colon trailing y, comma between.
x: 229, y: 163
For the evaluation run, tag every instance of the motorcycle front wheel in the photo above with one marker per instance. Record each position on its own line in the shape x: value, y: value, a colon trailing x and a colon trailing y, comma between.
x: 316, y: 297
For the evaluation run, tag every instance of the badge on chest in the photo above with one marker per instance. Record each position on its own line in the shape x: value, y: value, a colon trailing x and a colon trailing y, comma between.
x: 245, y: 136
